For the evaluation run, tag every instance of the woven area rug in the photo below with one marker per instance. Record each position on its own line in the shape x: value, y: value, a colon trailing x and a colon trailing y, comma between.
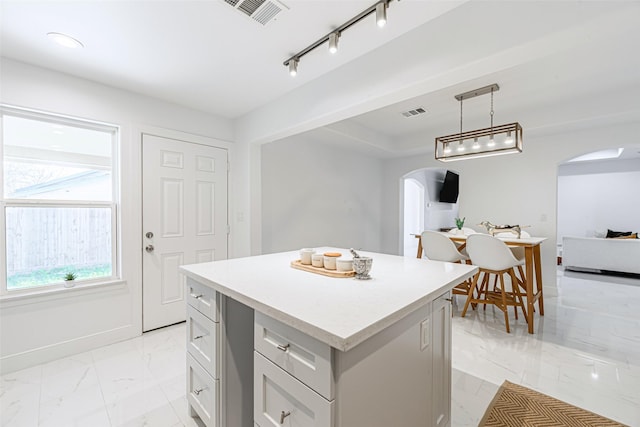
x: 517, y: 406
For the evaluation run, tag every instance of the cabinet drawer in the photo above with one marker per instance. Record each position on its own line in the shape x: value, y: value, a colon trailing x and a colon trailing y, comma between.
x: 202, y: 392
x: 304, y: 357
x: 204, y: 298
x: 281, y: 400
x: 202, y: 340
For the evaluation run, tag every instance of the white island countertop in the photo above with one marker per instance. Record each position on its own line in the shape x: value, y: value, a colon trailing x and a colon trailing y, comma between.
x: 341, y: 312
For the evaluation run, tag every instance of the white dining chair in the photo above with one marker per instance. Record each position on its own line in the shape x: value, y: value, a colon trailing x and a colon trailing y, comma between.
x: 493, y: 258
x: 518, y: 251
x: 438, y: 247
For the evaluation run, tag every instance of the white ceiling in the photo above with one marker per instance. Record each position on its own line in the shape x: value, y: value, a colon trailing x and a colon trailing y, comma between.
x: 576, y: 63
x: 203, y: 54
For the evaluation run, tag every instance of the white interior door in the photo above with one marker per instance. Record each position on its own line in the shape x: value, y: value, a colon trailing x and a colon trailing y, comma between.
x: 184, y: 210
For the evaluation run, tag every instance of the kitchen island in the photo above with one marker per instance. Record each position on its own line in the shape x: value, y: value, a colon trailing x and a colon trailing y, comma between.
x: 270, y: 345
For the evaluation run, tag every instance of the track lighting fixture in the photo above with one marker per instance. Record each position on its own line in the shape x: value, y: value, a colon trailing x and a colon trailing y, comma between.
x: 293, y: 67
x: 333, y: 42
x: 381, y: 14
x: 481, y: 142
x: 379, y: 8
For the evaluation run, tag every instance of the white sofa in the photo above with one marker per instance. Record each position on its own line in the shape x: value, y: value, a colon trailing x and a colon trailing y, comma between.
x: 621, y: 255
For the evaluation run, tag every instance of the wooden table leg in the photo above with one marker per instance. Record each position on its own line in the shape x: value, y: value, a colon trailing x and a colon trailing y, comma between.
x: 538, y: 264
x: 528, y: 255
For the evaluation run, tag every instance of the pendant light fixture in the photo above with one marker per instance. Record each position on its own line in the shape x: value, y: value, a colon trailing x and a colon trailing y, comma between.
x: 491, y: 141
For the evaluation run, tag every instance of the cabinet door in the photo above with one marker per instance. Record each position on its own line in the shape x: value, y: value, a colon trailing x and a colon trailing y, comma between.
x: 441, y: 347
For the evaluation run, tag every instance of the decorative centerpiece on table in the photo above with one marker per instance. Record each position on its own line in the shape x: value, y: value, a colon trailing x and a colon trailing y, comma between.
x: 493, y: 229
x: 460, y: 224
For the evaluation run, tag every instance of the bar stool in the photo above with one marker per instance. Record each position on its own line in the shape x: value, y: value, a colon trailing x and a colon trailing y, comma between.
x: 438, y: 247
x: 518, y: 253
x: 493, y: 257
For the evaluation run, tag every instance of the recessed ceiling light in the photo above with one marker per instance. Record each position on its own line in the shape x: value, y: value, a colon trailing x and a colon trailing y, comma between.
x: 65, y: 40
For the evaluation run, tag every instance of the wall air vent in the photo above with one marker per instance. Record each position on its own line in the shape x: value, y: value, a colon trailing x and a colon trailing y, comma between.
x: 414, y: 112
x: 261, y: 11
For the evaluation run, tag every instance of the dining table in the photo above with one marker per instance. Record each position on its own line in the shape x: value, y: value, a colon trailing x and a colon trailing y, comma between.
x: 533, y: 266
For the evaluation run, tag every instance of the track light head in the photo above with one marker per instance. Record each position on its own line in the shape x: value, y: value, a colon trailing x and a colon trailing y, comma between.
x: 293, y: 67
x: 381, y: 14
x: 333, y: 42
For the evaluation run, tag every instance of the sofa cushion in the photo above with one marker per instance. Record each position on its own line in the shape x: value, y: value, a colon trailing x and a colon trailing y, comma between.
x: 612, y: 234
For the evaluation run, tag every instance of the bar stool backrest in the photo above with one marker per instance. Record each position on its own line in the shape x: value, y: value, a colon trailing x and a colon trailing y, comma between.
x: 490, y: 253
x: 438, y: 247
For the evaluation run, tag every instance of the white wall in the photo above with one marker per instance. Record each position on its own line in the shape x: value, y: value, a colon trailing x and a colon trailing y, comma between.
x: 518, y: 188
x: 590, y: 203
x: 43, y: 328
x: 319, y: 194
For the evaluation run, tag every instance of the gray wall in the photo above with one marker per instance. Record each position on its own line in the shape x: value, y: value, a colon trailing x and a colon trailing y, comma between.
x: 319, y: 194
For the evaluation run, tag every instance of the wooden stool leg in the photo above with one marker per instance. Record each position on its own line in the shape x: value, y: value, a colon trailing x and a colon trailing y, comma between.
x: 470, y: 294
x: 504, y: 303
x: 518, y: 297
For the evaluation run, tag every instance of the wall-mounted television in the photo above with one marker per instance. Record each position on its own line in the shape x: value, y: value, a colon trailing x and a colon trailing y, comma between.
x: 449, y: 190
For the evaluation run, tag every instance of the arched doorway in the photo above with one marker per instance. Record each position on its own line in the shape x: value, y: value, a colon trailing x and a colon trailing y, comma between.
x: 421, y: 208
x: 596, y: 193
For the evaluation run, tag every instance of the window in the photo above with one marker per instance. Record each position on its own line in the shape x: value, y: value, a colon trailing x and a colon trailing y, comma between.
x: 59, y: 194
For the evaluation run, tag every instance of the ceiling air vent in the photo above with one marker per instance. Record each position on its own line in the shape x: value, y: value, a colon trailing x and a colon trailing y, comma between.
x: 262, y: 11
x: 414, y: 112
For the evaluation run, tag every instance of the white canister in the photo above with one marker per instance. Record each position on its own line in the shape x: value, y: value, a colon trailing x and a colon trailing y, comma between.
x: 305, y: 255
x: 330, y: 260
x: 344, y: 264
x: 317, y: 260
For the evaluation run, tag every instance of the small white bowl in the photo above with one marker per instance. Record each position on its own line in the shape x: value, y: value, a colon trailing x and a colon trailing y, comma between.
x: 344, y: 264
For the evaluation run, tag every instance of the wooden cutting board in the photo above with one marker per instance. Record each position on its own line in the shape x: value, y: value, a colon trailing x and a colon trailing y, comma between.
x: 319, y: 270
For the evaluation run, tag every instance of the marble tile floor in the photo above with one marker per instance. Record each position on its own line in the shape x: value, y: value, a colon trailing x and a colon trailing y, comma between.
x: 586, y: 351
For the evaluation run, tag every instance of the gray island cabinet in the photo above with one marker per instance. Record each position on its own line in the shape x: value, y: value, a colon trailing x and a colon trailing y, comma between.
x: 269, y: 345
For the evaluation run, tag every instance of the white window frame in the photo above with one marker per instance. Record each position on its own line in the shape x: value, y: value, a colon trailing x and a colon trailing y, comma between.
x: 114, y: 204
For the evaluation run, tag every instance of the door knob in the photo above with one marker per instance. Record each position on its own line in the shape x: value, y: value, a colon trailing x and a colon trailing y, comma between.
x: 149, y: 235
x: 149, y: 248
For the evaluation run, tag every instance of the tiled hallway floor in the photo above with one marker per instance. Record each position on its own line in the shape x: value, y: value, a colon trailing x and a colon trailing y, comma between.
x: 586, y: 351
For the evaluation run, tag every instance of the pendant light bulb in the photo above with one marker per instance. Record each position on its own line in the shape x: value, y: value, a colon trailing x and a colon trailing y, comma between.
x: 509, y: 139
x: 460, y: 147
x: 293, y: 67
x: 381, y: 14
x: 476, y: 144
x: 491, y: 142
x: 447, y: 149
x: 333, y: 42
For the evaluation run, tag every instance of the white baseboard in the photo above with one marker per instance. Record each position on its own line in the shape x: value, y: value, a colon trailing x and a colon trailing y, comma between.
x: 29, y: 358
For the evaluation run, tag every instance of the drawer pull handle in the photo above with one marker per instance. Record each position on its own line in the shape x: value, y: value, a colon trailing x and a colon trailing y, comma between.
x: 198, y: 391
x: 283, y: 348
x: 284, y: 415
x: 196, y: 296
x: 449, y: 299
x: 198, y: 337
